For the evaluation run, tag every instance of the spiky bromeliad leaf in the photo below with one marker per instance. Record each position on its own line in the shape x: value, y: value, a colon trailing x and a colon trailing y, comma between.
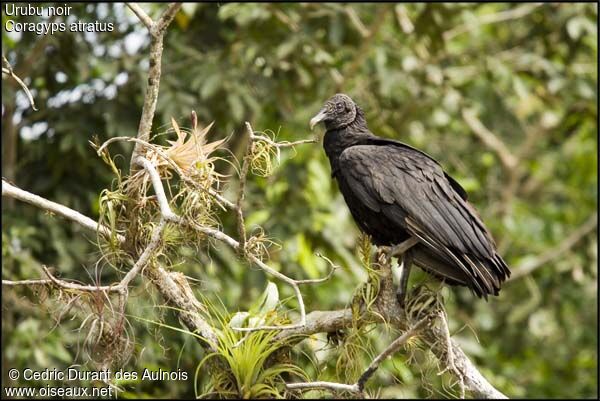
x: 186, y: 152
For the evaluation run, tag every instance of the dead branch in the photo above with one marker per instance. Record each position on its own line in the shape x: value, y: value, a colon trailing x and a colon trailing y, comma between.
x: 187, y: 306
x: 334, y: 267
x: 7, y: 69
x: 11, y: 283
x: 157, y: 31
x: 56, y: 208
x: 76, y: 287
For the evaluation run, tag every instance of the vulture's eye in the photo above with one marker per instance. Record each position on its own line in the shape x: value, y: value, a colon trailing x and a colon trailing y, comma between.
x: 339, y: 106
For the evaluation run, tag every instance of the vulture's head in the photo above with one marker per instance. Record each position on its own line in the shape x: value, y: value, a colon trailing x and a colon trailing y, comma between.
x: 338, y: 112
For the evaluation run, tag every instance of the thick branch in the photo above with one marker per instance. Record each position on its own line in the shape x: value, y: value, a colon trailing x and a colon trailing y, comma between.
x: 330, y: 321
x: 469, y: 374
x: 174, y: 288
x: 353, y: 388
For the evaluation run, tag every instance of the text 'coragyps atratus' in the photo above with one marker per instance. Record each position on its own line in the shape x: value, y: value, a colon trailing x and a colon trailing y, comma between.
x: 397, y: 193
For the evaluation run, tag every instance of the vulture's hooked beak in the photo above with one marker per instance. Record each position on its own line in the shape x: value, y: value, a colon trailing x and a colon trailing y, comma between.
x: 321, y: 115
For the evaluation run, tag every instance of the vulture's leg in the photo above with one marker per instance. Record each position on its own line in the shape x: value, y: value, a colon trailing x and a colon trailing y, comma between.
x: 402, y: 247
x: 404, y: 273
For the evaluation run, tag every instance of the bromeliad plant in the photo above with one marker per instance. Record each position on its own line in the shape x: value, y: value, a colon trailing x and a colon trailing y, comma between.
x: 249, y: 365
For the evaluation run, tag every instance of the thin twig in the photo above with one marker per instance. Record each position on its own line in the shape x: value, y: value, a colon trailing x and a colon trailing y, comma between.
x: 7, y: 69
x: 489, y: 139
x: 390, y: 350
x: 78, y: 287
x: 141, y: 14
x: 165, y: 19
x: 505, y: 15
x: 146, y: 255
x: 334, y: 267
x: 282, y: 144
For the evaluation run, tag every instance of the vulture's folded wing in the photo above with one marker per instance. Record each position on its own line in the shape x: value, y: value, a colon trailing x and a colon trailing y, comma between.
x: 412, y: 191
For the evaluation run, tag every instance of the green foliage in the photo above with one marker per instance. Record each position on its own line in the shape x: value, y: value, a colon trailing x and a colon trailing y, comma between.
x: 257, y: 365
x: 528, y: 72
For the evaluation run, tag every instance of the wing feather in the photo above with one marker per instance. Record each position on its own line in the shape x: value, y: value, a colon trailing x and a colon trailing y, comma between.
x: 413, y: 192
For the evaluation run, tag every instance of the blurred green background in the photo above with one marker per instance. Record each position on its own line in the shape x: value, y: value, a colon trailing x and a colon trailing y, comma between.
x: 426, y: 74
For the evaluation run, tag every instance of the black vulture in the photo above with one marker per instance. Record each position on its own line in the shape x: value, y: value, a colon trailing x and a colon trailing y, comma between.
x: 400, y: 195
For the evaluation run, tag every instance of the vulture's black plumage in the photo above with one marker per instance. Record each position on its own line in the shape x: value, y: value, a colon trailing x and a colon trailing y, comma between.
x: 396, y: 192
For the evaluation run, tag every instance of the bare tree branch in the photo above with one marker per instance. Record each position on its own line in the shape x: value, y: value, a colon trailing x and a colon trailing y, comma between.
x: 163, y: 202
x: 390, y: 350
x: 165, y: 19
x: 156, y: 49
x: 221, y: 236
x: 77, y: 287
x: 141, y: 14
x: 506, y: 15
x: 353, y: 388
x: 530, y: 266
x: 7, y: 69
x: 489, y: 139
x: 53, y: 207
x: 11, y: 283
x: 187, y: 306
x: 247, y: 160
